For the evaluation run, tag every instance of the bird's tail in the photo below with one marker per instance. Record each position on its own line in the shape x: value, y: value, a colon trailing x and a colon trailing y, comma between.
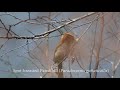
x: 60, y: 73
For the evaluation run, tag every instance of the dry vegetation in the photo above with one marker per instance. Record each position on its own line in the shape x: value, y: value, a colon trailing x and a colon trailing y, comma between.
x: 97, y: 45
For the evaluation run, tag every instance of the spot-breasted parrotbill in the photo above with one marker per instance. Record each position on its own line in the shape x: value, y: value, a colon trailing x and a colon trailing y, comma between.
x: 62, y: 50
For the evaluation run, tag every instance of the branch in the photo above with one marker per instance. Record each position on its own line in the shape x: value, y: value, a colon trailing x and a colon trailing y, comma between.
x: 52, y: 30
x: 100, y: 44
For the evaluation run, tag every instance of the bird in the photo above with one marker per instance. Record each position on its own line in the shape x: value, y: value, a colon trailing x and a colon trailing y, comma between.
x: 62, y: 51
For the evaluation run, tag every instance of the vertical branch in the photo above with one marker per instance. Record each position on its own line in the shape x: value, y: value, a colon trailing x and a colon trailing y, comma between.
x: 47, y: 55
x: 47, y: 46
x: 70, y: 68
x: 8, y: 31
x: 99, y: 45
x: 92, y: 50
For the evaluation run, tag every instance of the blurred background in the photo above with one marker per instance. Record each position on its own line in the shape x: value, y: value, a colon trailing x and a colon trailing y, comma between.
x: 99, y: 35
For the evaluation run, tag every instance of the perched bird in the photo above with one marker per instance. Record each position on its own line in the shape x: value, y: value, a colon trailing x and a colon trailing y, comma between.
x: 62, y: 51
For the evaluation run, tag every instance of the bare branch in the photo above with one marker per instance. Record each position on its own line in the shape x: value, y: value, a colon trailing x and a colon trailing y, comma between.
x: 99, y: 45
x: 50, y: 31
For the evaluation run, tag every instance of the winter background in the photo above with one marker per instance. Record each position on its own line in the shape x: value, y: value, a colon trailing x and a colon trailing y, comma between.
x: 34, y: 54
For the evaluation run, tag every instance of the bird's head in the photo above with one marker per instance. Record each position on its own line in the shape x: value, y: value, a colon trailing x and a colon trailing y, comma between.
x: 67, y: 38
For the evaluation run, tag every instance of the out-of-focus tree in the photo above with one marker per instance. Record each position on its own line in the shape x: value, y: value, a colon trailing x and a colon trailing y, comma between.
x: 28, y: 41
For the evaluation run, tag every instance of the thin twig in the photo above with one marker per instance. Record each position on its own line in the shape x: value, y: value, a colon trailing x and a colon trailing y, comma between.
x: 52, y: 30
x: 92, y: 50
x: 99, y: 47
x: 70, y: 68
